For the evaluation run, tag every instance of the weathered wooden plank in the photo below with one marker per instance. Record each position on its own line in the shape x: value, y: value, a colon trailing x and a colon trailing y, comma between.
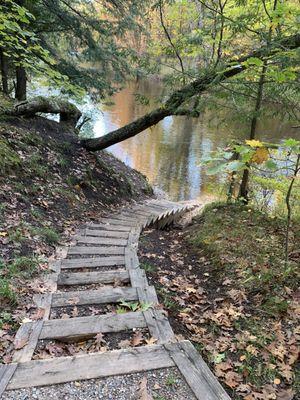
x: 97, y: 250
x: 76, y: 328
x: 131, y: 218
x: 118, y: 222
x: 55, y: 265
x: 137, y: 278
x: 196, y: 372
x: 140, y: 220
x: 137, y: 212
x: 93, y: 262
x: 66, y: 369
x: 116, y: 228
x: 158, y: 325
x: 29, y: 334
x: 202, y: 367
x: 86, y: 278
x: 147, y: 295
x: 103, y: 233
x: 101, y: 241
x: 131, y: 258
x: 6, y: 373
x: 157, y: 210
x: 134, y: 236
x: 100, y: 296
x: 44, y: 301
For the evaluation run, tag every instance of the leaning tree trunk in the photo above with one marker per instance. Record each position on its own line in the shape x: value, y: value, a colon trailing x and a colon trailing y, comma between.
x: 179, y: 97
x: 69, y: 113
x: 21, y: 84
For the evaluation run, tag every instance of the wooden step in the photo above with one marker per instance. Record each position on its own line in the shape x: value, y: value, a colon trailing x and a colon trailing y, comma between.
x: 100, y: 296
x: 92, y: 262
x: 76, y: 328
x: 104, y: 234
x: 87, y: 278
x: 116, y: 228
x: 118, y: 222
x: 101, y: 241
x: 97, y: 250
x: 90, y: 366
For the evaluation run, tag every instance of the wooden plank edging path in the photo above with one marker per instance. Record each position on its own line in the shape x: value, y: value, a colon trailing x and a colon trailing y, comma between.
x: 110, y: 243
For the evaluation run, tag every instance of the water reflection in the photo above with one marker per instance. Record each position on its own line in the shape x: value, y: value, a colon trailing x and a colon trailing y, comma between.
x: 169, y: 154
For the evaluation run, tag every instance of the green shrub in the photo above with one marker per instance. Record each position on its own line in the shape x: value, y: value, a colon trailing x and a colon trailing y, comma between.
x: 49, y: 235
x: 6, y: 291
x: 25, y: 266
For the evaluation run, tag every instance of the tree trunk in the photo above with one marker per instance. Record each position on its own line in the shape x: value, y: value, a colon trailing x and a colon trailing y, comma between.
x: 245, y: 180
x: 4, y: 72
x: 179, y: 97
x: 21, y: 86
x: 69, y: 113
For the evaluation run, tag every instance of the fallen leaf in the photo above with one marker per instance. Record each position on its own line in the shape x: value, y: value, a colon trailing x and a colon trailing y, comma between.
x: 137, y: 338
x: 143, y: 392
x: 152, y: 340
x: 20, y: 343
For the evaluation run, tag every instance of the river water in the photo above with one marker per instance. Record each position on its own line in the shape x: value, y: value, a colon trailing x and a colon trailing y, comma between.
x: 170, y: 153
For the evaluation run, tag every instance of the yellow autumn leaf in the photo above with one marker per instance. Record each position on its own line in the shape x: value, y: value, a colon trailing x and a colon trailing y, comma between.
x: 3, y: 234
x: 254, y: 143
x: 261, y: 155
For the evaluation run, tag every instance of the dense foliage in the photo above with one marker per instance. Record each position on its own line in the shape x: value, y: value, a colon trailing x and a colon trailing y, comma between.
x: 86, y: 39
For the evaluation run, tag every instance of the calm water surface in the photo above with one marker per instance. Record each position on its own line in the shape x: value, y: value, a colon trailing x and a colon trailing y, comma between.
x: 170, y: 153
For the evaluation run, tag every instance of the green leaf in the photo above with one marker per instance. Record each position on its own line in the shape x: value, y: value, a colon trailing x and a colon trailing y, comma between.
x: 233, y: 166
x: 216, y: 169
x: 270, y: 164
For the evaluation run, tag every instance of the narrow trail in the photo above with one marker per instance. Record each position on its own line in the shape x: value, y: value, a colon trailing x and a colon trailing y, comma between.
x: 106, y: 254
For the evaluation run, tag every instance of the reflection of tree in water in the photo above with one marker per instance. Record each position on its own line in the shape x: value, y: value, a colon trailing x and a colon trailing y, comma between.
x: 174, y: 164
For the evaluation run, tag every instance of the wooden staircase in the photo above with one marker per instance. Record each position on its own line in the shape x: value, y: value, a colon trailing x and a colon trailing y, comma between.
x: 108, y: 250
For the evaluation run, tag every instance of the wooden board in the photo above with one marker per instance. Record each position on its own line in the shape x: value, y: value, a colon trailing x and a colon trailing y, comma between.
x: 147, y: 295
x: 100, y: 296
x: 29, y: 334
x: 118, y: 222
x: 101, y: 241
x: 159, y: 326
x: 195, y: 371
x: 86, y: 278
x: 44, y: 301
x: 93, y: 262
x: 97, y: 250
x: 116, y: 228
x: 74, y: 328
x: 6, y: 372
x: 68, y: 369
x: 104, y: 234
x: 133, y: 237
